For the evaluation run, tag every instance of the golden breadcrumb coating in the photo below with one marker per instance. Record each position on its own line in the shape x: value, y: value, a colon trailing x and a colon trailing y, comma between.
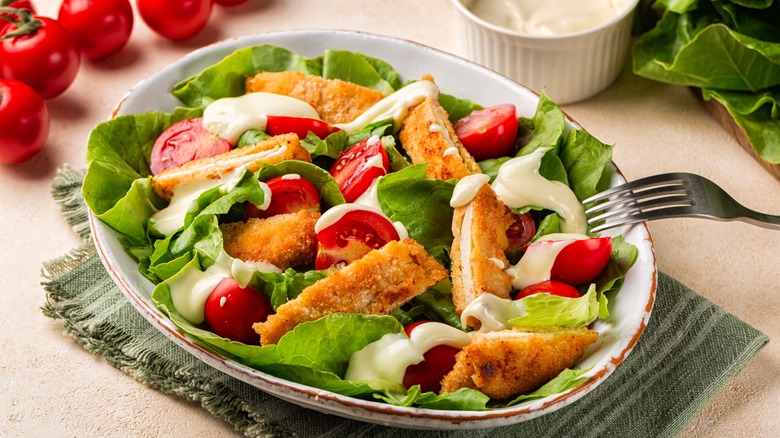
x: 376, y: 284
x: 271, y: 151
x: 284, y: 240
x: 335, y: 100
x: 426, y: 133
x: 506, y: 363
x: 479, y: 230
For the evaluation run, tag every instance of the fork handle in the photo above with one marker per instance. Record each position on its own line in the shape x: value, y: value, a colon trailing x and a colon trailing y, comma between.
x: 760, y: 219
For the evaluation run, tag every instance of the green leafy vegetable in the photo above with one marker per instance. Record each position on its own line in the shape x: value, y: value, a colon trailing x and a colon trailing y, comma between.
x: 553, y: 310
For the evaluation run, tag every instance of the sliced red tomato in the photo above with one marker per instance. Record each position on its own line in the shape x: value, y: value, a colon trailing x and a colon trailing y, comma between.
x: 439, y: 361
x: 490, y: 132
x: 298, y: 125
x: 582, y: 261
x: 358, y: 166
x: 549, y: 287
x: 231, y: 310
x: 287, y: 196
x: 520, y: 232
x: 352, y: 236
x: 183, y: 142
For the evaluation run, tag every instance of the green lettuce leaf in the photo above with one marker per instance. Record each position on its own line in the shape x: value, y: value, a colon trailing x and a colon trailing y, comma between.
x: 564, y: 381
x: 359, y: 69
x: 586, y: 160
x: 326, y: 185
x: 553, y: 310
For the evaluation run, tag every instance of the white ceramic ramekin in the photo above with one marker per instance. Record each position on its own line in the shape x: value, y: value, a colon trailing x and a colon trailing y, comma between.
x: 569, y: 67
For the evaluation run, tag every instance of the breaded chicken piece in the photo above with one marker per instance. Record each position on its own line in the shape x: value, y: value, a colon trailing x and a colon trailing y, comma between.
x: 509, y: 362
x: 478, y: 260
x: 335, y: 100
x: 426, y: 134
x: 271, y: 151
x: 284, y: 240
x: 376, y: 284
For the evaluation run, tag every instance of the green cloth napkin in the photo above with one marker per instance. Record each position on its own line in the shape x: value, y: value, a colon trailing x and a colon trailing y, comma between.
x: 689, y: 350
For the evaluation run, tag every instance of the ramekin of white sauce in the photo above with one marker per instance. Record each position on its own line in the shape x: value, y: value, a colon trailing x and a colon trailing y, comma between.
x: 572, y: 49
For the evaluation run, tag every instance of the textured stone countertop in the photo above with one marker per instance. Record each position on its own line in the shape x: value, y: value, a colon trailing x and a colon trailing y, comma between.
x: 50, y: 386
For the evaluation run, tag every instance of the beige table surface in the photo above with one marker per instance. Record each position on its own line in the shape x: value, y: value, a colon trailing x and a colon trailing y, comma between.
x: 49, y: 386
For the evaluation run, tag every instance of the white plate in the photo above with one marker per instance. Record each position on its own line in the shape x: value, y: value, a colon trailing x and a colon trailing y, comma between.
x: 454, y: 76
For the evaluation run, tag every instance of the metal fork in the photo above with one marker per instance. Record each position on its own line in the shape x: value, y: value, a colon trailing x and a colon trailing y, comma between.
x: 666, y: 196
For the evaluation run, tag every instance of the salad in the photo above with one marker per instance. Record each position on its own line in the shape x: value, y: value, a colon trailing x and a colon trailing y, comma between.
x: 328, y: 222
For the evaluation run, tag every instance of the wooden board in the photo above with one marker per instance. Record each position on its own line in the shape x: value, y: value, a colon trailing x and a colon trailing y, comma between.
x: 723, y: 117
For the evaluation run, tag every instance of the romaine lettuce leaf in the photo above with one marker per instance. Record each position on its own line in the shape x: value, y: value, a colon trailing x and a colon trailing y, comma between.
x: 553, y: 310
x: 359, y: 69
x: 565, y: 381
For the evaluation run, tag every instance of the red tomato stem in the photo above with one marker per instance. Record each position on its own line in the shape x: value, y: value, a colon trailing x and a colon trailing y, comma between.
x: 23, y: 18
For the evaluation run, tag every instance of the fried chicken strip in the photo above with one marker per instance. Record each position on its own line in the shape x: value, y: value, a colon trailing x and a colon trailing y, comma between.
x: 378, y: 283
x: 284, y: 240
x: 509, y: 362
x: 478, y: 260
x: 271, y: 151
x: 428, y: 136
x: 335, y: 100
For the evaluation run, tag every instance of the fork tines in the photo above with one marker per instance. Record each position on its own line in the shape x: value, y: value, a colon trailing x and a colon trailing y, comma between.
x: 636, y: 201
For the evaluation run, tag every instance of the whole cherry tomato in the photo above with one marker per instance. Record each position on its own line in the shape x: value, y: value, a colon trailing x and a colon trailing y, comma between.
x: 299, y: 125
x: 100, y: 27
x: 288, y: 195
x: 488, y: 133
x: 439, y: 361
x: 358, y: 166
x: 352, y: 236
x: 175, y: 19
x: 20, y: 4
x: 183, y: 142
x: 24, y: 122
x: 582, y: 261
x: 45, y: 58
x: 231, y: 310
x: 549, y: 287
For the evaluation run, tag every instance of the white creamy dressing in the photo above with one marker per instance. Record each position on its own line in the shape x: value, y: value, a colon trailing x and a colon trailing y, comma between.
x: 230, y: 117
x: 435, y: 127
x: 519, y: 184
x: 492, y: 312
x: 370, y: 197
x: 388, y: 358
x: 185, y: 196
x: 537, y: 262
x: 452, y: 150
x: 394, y: 106
x: 191, y: 289
x: 467, y: 188
x: 498, y: 262
x: 291, y: 176
x: 334, y: 214
x: 550, y: 17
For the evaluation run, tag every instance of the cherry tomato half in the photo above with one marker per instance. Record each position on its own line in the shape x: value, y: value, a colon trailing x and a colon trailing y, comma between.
x: 46, y: 59
x: 288, y: 195
x: 183, y: 142
x: 549, y: 287
x: 24, y: 122
x: 100, y: 27
x: 439, y: 361
x: 352, y: 236
x: 21, y: 4
x: 231, y: 310
x: 358, y: 166
x: 175, y: 19
x: 299, y: 125
x: 488, y: 133
x: 582, y: 261
x: 520, y: 232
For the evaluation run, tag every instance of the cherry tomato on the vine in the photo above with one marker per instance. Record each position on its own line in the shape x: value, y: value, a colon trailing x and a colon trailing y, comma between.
x: 175, y: 19
x: 183, y: 142
x: 45, y: 58
x: 24, y: 122
x: 20, y: 4
x: 488, y: 133
x: 100, y: 27
x: 439, y: 361
x: 288, y: 195
x: 582, y: 261
x: 231, y: 310
x: 352, y: 236
x: 549, y: 287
